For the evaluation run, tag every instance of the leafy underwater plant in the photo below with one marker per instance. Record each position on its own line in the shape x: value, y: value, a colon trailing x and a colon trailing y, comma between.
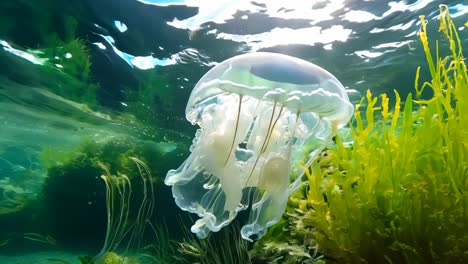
x: 130, y: 199
x: 51, y: 36
x: 288, y: 242
x: 399, y: 192
x: 225, y: 247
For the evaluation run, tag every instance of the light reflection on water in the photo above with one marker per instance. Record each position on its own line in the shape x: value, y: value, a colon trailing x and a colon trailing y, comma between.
x: 366, y: 44
x: 359, y: 41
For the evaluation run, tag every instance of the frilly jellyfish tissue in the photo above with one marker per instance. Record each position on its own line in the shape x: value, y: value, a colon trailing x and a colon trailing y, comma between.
x: 256, y: 112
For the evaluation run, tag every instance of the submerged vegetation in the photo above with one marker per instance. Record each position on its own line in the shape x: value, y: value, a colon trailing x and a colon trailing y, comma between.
x: 74, y: 189
x: 50, y: 34
x: 225, y: 247
x: 124, y: 225
x: 399, y: 192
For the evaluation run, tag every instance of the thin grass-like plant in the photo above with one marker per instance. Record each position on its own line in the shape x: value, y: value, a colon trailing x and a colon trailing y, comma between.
x: 225, y: 247
x: 122, y: 224
x: 162, y: 251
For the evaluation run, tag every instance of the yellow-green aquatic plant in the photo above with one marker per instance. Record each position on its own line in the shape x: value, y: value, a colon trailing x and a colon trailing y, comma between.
x: 12, y: 198
x: 120, y: 225
x: 111, y: 258
x: 46, y: 239
x: 161, y: 251
x: 288, y: 242
x: 399, y: 192
x: 226, y: 247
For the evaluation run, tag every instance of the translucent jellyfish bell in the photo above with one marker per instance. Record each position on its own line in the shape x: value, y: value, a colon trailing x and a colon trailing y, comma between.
x: 256, y: 113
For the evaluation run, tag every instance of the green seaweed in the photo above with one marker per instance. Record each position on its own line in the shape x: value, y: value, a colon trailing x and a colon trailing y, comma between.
x: 152, y: 99
x: 70, y: 63
x: 50, y: 33
x: 162, y: 250
x: 120, y: 226
x: 63, y: 69
x: 38, y: 24
x: 225, y: 247
x: 393, y: 188
x: 74, y: 190
x: 290, y: 241
x: 399, y: 192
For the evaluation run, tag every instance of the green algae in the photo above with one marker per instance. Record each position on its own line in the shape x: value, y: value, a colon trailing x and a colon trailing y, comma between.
x: 398, y: 191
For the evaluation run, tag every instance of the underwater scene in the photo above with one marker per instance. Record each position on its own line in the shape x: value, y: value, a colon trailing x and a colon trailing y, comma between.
x: 233, y: 132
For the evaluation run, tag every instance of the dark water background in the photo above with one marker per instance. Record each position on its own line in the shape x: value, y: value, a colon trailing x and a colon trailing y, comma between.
x: 72, y: 71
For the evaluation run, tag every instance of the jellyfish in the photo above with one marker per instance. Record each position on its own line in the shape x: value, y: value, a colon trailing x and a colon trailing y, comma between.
x: 259, y: 114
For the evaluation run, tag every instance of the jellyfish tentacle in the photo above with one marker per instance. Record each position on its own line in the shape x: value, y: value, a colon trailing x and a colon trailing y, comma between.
x: 293, y: 132
x: 268, y: 130
x: 271, y: 131
x: 263, y: 145
x: 271, y: 127
x: 235, y: 130
x: 214, y: 200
